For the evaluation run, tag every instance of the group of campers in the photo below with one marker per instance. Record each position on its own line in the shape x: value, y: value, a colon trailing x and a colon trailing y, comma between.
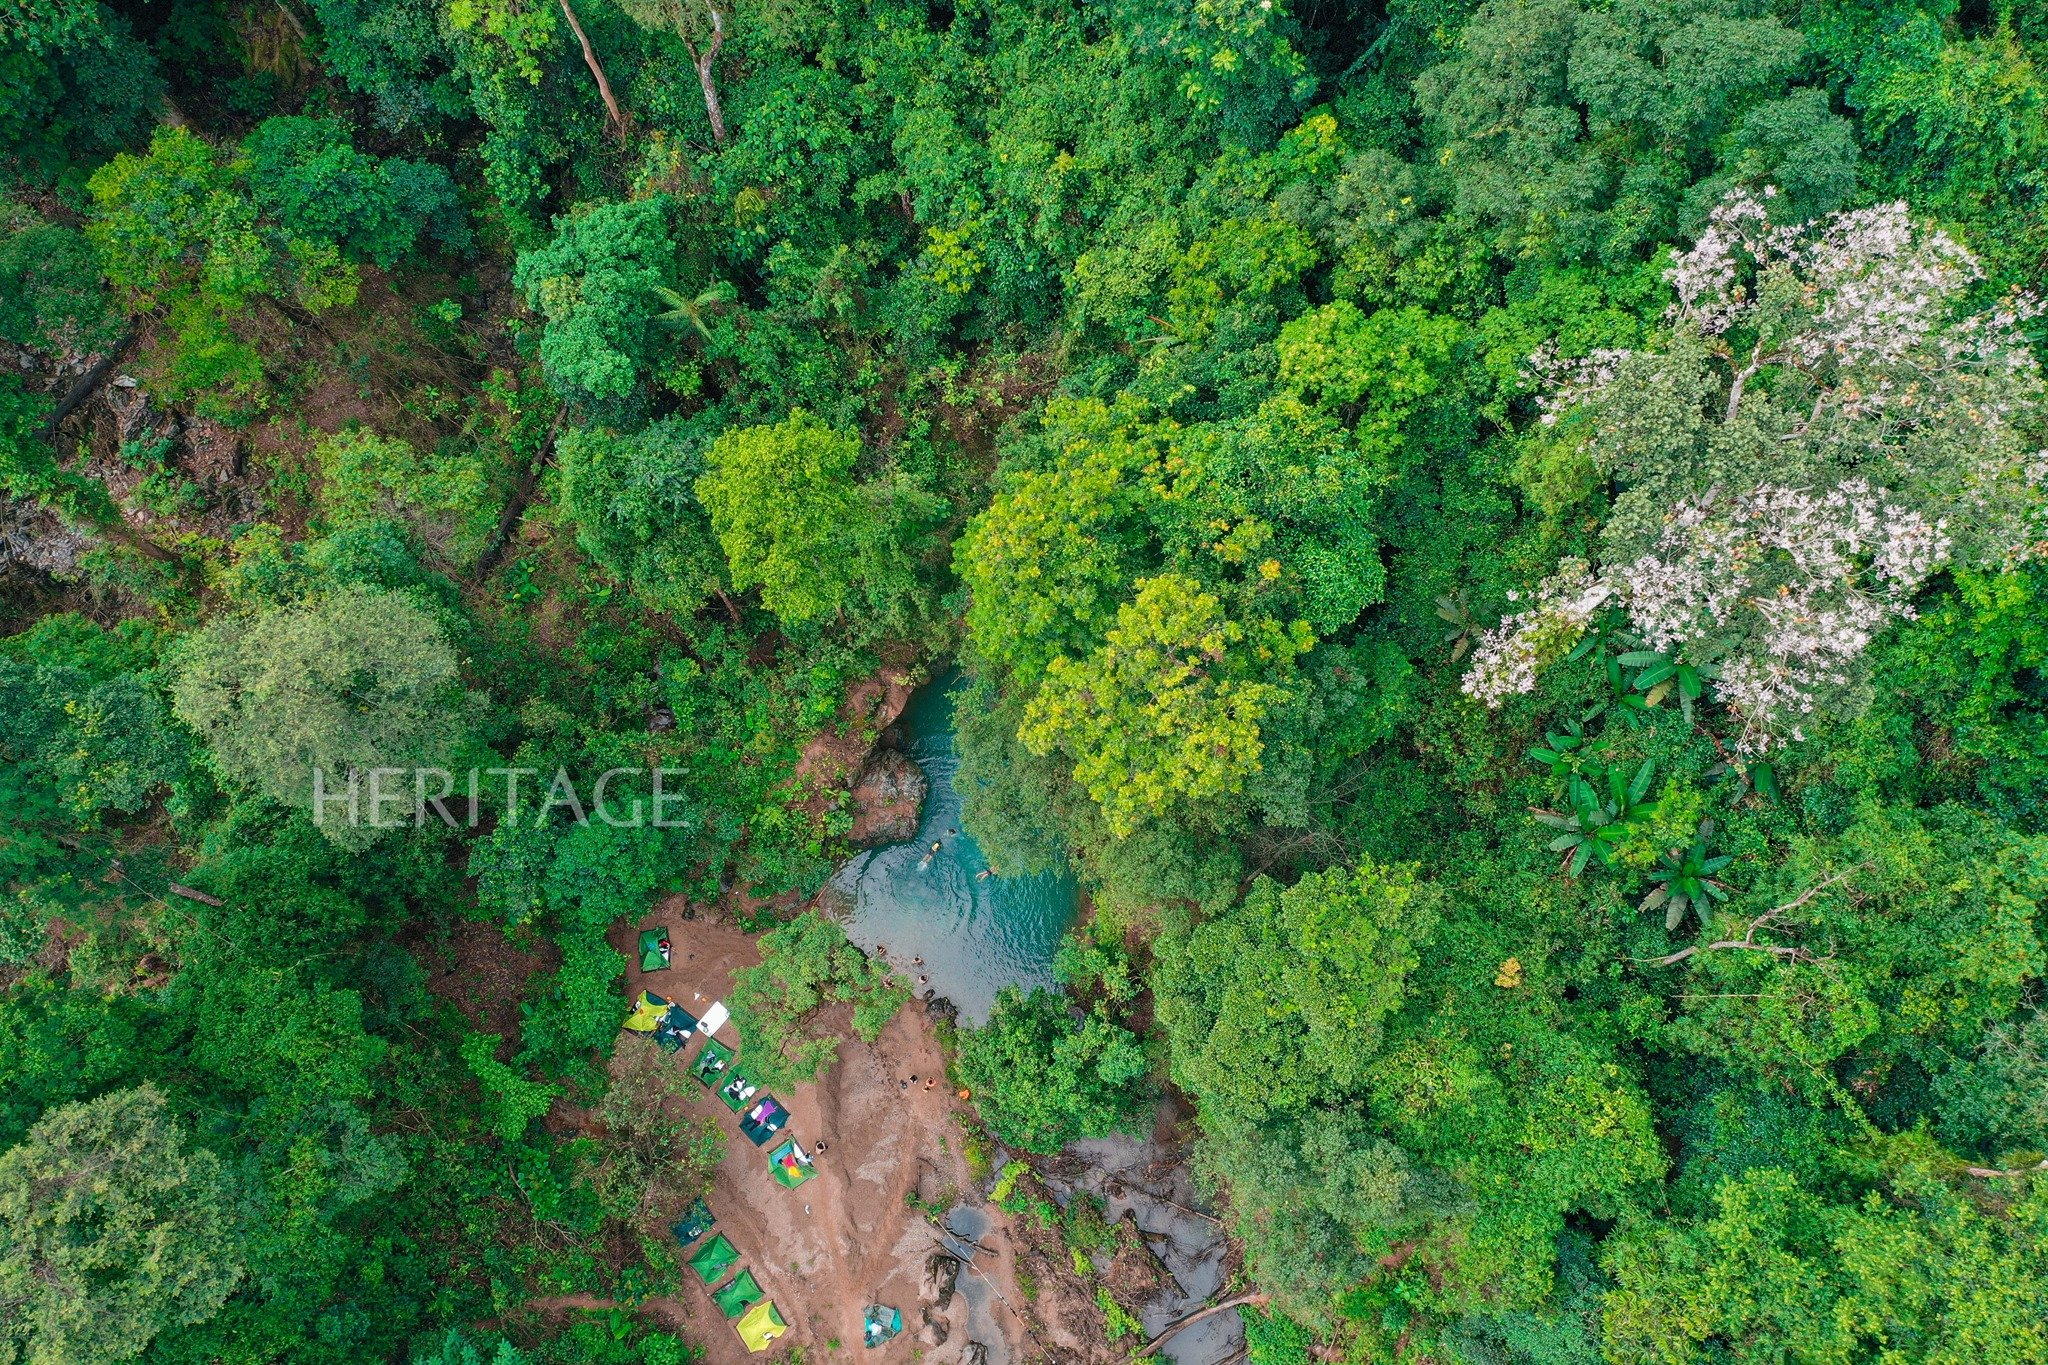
x: 733, y: 1288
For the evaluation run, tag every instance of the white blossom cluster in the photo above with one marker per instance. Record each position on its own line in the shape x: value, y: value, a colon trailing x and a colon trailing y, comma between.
x: 1786, y: 587
x: 1563, y: 383
x: 1797, y: 584
x: 1507, y: 658
x: 1877, y: 288
x: 1715, y: 280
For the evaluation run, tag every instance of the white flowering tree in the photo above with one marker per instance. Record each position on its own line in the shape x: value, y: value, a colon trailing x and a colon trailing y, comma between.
x: 1832, y: 420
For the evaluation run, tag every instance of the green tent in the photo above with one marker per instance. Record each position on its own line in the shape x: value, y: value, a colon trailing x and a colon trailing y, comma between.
x: 761, y: 1325
x: 712, y: 1063
x: 743, y: 1293
x: 791, y: 1165
x: 654, y: 950
x: 695, y: 1224
x: 880, y: 1323
x: 738, y: 1092
x: 763, y: 1119
x: 714, y: 1260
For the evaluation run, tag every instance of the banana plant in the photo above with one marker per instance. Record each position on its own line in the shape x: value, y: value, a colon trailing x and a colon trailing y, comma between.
x: 1464, y: 628
x: 1622, y: 698
x: 1598, y: 821
x: 1684, y: 880
x: 1568, y: 752
x: 1662, y: 674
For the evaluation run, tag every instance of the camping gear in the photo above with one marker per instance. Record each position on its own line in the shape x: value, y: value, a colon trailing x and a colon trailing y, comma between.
x: 743, y: 1293
x: 738, y: 1093
x: 764, y: 1120
x: 647, y: 1012
x: 695, y: 1224
x: 718, y: 1256
x: 879, y: 1324
x: 715, y: 1017
x: 654, y: 950
x: 712, y: 1062
x: 761, y: 1325
x: 791, y: 1165
x: 677, y: 1027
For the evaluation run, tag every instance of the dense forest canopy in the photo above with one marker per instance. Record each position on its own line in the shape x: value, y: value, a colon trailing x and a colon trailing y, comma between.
x: 1502, y: 541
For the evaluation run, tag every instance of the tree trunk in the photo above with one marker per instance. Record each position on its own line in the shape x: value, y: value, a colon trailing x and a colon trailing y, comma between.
x: 135, y: 540
x: 87, y: 385
x: 604, y: 87
x: 704, y: 60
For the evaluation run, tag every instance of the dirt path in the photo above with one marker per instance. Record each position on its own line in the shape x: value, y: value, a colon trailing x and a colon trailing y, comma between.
x: 854, y: 1235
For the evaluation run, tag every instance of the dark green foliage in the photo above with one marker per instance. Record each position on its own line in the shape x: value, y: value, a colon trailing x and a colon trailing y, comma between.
x: 52, y: 297
x: 78, y: 85
x: 634, y: 500
x: 305, y: 174
x: 1043, y: 1079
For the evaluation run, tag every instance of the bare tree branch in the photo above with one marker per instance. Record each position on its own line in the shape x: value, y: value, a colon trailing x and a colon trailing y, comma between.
x: 1748, y: 943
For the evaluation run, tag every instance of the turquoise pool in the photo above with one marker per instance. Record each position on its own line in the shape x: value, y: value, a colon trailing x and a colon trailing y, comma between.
x: 976, y: 934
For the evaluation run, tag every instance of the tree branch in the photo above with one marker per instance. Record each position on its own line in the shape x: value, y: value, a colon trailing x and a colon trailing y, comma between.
x: 704, y: 60
x: 1748, y: 943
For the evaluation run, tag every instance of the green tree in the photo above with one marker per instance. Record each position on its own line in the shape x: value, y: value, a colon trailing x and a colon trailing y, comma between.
x: 52, y: 294
x: 806, y: 965
x: 634, y: 499
x: 1057, y: 548
x: 1166, y: 714
x: 112, y: 1229
x: 1043, y: 1078
x: 599, y: 284
x: 511, y: 1100
x: 1916, y: 1271
x: 795, y: 522
x: 343, y: 684
x: 1280, y: 1004
x: 76, y: 81
x: 309, y: 178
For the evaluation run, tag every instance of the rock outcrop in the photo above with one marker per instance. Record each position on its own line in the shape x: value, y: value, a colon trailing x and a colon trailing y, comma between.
x: 888, y: 796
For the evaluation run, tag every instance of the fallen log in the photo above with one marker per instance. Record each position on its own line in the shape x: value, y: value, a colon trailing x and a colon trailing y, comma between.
x: 1242, y: 1300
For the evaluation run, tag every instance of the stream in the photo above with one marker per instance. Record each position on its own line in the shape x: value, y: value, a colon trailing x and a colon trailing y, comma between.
x: 976, y: 934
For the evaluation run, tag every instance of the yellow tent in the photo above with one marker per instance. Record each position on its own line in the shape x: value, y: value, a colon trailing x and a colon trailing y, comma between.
x: 647, y: 1012
x: 761, y: 1325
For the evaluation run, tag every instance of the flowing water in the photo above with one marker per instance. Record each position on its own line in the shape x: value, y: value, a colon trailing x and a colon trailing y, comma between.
x: 976, y: 934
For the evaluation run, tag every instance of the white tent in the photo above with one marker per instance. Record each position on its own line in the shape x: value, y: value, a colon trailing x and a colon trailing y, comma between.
x: 714, y: 1019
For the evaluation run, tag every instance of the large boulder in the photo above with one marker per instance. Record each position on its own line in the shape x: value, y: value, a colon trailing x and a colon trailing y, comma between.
x: 888, y: 798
